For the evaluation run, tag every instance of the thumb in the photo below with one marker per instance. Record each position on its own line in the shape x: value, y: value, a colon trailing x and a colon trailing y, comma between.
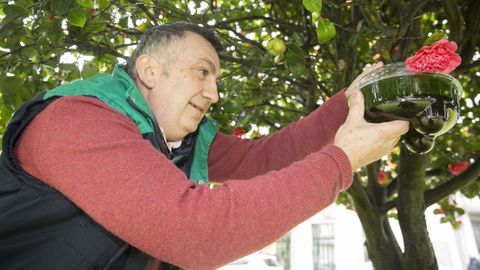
x: 356, y: 106
x: 396, y: 128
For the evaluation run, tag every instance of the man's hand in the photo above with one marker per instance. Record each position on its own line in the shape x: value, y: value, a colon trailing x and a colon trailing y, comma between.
x: 365, y: 142
x: 354, y: 85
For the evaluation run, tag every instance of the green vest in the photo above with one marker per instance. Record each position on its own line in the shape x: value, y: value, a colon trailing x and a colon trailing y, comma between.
x: 120, y: 92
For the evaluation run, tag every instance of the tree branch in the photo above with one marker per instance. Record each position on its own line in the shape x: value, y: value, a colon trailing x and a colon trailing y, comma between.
x: 375, y: 191
x: 278, y: 107
x: 357, y: 192
x: 455, y: 183
x: 235, y: 60
x: 225, y: 23
x: 455, y: 19
x: 464, y: 68
x: 245, y: 39
x: 434, y: 195
x: 392, y: 188
x: 145, y: 10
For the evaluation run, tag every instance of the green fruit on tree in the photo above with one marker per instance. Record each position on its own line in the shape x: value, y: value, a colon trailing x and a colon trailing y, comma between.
x: 315, y: 16
x: 276, y: 47
x: 278, y: 59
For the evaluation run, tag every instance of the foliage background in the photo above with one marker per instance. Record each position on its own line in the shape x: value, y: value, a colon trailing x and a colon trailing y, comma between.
x: 44, y: 43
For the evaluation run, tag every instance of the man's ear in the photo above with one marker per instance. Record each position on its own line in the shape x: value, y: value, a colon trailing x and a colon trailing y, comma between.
x: 146, y: 68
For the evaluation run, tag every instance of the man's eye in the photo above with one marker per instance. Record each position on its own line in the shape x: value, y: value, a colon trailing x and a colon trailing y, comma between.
x: 203, y: 72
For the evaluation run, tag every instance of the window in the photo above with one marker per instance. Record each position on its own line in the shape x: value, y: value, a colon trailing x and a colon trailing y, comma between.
x: 323, y: 246
x: 283, y: 251
x: 475, y: 218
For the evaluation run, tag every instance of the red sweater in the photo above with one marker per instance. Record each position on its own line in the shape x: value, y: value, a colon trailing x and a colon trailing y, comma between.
x: 97, y: 158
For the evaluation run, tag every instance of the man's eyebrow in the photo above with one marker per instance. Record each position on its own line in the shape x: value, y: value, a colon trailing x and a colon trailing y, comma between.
x: 210, y: 64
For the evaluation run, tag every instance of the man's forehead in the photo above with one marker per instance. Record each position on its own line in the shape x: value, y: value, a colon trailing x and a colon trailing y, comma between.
x: 193, y: 49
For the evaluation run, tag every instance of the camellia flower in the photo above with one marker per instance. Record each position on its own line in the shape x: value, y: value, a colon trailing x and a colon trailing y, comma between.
x: 239, y: 132
x: 459, y: 167
x: 382, y: 177
x: 438, y: 57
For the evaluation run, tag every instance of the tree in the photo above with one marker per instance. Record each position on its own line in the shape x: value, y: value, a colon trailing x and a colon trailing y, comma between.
x: 39, y: 39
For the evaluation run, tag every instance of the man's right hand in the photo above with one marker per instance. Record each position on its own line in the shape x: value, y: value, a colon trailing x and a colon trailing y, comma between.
x: 365, y: 142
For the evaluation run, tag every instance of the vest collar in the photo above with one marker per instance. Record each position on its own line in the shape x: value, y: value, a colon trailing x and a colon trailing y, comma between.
x: 132, y: 92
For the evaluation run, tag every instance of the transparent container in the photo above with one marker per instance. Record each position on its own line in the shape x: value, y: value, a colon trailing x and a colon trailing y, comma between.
x: 430, y: 101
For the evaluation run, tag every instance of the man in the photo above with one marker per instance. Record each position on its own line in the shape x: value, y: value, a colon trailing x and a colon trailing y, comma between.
x: 90, y: 180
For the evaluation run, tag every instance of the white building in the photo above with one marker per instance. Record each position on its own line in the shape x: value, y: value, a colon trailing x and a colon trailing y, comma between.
x: 333, y: 240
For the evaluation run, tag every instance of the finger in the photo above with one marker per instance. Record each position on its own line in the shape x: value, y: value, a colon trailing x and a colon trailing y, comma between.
x: 357, y: 80
x: 395, y: 142
x: 356, y: 107
x: 365, y: 72
x: 396, y: 128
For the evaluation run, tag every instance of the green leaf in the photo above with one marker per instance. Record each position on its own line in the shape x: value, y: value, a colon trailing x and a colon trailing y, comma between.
x: 73, y: 75
x: 14, y: 10
x: 24, y: 3
x: 313, y: 5
x: 294, y: 54
x: 102, y: 4
x: 325, y: 31
x: 436, y: 36
x: 89, y: 69
x: 252, y: 101
x: 267, y: 61
x: 85, y: 3
x: 60, y: 7
x: 298, y: 70
x: 295, y: 60
x: 123, y: 22
x: 10, y: 36
x: 232, y: 106
x: 29, y: 52
x: 97, y: 24
x: 68, y: 67
x: 5, y: 113
x: 77, y: 16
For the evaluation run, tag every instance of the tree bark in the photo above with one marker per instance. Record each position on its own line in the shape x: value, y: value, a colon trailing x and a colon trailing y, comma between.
x: 382, y: 247
x: 418, y: 253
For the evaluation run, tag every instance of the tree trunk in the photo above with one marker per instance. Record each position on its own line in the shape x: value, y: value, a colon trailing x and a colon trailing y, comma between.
x: 418, y: 254
x: 381, y: 244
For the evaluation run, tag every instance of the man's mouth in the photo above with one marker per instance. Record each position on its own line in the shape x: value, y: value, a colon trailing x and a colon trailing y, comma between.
x: 196, y: 107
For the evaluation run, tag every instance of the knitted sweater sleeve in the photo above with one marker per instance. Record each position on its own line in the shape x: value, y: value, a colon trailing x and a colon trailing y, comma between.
x: 232, y: 157
x: 97, y: 158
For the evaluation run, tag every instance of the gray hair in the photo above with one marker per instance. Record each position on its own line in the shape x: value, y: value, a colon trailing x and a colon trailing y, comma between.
x: 162, y: 38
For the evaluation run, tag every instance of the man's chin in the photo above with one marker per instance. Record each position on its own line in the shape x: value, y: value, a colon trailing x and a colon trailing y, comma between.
x: 190, y: 129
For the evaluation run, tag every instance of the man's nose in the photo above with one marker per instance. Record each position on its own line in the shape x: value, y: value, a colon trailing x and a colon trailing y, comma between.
x: 211, y: 92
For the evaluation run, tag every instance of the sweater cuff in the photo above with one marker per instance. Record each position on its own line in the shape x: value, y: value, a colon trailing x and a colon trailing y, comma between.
x: 343, y: 162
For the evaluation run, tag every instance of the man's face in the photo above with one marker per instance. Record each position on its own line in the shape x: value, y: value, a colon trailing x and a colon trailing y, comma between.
x: 180, y: 99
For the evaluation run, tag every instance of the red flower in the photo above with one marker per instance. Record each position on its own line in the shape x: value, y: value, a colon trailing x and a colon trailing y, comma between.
x: 438, y: 57
x: 239, y: 132
x: 458, y: 167
x: 382, y: 177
